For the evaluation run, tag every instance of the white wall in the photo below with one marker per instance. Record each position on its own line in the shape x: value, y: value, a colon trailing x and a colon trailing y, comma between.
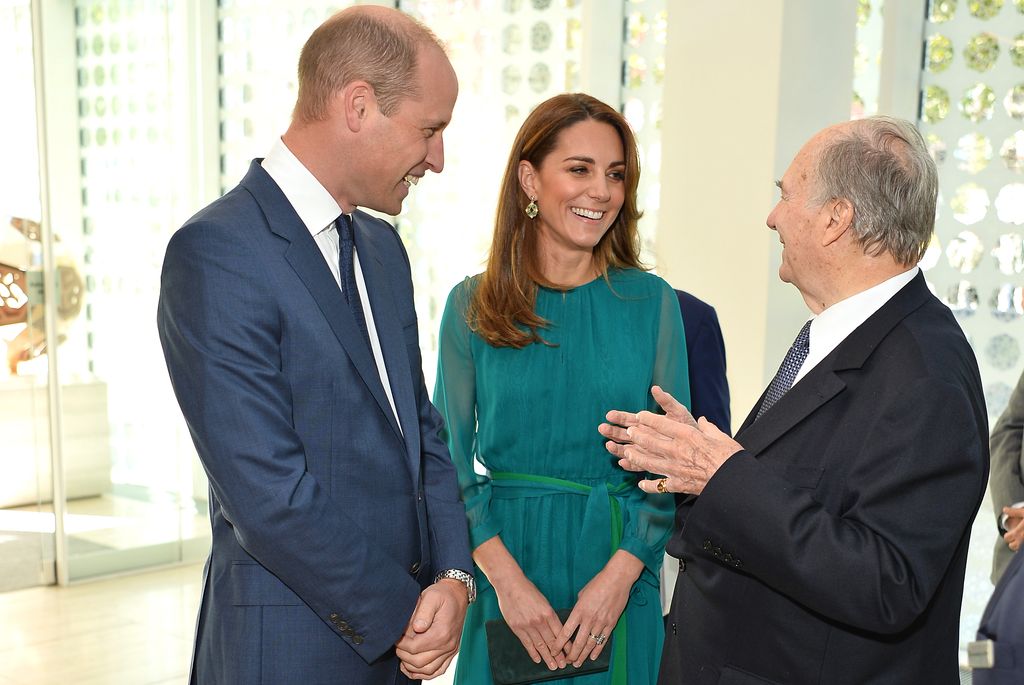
x: 747, y: 83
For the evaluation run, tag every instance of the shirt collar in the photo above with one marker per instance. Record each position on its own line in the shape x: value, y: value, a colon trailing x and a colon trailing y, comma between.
x: 311, y: 201
x: 833, y: 325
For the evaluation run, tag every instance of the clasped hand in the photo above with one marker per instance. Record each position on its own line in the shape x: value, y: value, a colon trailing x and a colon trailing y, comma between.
x: 686, y: 452
x: 432, y: 636
x: 597, y: 610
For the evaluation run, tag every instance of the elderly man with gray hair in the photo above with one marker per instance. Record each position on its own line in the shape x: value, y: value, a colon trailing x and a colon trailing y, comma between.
x: 827, y: 543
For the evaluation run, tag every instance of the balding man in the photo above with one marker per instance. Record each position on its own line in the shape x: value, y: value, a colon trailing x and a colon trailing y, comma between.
x: 340, y: 551
x: 828, y: 542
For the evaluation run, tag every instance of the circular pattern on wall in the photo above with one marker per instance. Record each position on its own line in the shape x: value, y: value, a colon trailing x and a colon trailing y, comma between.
x: 1006, y: 302
x: 997, y: 396
x: 981, y: 52
x: 1002, y: 351
x: 962, y: 298
x: 940, y: 53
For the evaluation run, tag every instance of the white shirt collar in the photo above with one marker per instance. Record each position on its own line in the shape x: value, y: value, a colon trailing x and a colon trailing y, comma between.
x: 311, y: 201
x: 832, y: 326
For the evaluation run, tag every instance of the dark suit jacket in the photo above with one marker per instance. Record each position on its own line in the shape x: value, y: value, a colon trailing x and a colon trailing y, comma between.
x: 1003, y: 623
x: 705, y: 350
x: 832, y: 549
x: 327, y: 519
x: 1006, y: 482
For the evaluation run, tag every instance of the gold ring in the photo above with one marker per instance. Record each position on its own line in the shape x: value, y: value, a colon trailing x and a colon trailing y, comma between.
x: 599, y: 639
x: 661, y: 485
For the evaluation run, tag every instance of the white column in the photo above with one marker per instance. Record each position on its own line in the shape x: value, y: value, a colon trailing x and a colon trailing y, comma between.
x: 747, y: 83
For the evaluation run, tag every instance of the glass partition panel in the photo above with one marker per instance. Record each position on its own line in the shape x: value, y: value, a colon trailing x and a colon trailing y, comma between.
x: 26, y: 514
x: 142, y: 497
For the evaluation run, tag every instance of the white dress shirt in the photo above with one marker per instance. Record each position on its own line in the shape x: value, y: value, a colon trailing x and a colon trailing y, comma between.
x: 834, y: 325
x: 318, y: 210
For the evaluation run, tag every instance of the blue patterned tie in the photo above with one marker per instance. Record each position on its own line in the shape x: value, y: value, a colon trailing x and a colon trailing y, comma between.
x: 786, y: 374
x: 348, y: 273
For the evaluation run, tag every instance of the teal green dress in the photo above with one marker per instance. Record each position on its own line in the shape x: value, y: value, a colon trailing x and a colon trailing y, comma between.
x: 522, y: 428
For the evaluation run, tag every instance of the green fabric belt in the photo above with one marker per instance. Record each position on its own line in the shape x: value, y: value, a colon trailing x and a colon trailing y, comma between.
x: 600, y: 534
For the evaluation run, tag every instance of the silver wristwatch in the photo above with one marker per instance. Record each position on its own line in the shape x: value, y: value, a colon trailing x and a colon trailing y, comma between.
x: 463, y: 577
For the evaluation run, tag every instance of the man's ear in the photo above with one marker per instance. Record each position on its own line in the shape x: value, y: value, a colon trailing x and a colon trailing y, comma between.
x: 357, y: 100
x: 528, y: 178
x: 840, y: 220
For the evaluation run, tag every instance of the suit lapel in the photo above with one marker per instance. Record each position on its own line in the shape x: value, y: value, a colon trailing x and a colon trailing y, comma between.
x: 392, y: 342
x: 824, y: 381
x: 306, y: 259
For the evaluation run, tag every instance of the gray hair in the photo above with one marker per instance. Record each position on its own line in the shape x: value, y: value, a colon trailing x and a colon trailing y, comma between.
x: 882, y: 166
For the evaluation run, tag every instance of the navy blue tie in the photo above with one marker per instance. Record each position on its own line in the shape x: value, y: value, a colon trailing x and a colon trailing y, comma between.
x: 786, y: 374
x: 346, y: 261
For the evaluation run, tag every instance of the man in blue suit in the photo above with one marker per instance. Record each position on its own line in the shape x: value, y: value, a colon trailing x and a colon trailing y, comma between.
x: 340, y: 550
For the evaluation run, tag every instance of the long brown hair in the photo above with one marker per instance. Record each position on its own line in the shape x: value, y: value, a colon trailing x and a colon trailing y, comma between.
x: 501, y: 310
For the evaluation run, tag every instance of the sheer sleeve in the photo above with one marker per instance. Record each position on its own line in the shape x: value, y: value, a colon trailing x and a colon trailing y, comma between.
x: 649, y: 516
x: 455, y: 398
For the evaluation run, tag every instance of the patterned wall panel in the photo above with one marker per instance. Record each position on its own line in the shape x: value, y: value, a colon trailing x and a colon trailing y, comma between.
x: 972, y: 115
x: 643, y: 75
x: 135, y: 170
x: 258, y: 57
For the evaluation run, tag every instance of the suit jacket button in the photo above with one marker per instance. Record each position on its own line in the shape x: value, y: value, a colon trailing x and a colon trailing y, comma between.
x: 342, y: 625
x: 347, y: 631
x: 707, y: 545
x: 718, y: 552
x: 415, y: 568
x: 357, y: 639
x: 334, y: 617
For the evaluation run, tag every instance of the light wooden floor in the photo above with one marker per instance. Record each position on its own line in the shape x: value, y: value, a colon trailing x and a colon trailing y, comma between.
x: 133, y: 630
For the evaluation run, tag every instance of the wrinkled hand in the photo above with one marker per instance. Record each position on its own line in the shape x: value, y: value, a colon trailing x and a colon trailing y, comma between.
x: 1014, y: 527
x: 432, y: 637
x: 530, y: 616
x: 686, y: 452
x: 598, y: 607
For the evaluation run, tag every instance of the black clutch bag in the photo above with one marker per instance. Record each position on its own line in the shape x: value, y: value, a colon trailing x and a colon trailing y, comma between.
x: 511, y: 663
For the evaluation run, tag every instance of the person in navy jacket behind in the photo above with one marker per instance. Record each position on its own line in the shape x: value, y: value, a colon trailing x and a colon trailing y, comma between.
x: 709, y: 396
x: 1003, y: 624
x: 705, y: 352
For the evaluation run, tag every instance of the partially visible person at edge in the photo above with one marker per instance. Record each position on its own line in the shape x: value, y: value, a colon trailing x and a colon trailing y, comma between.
x: 563, y: 322
x: 827, y: 543
x: 340, y: 551
x: 1006, y: 481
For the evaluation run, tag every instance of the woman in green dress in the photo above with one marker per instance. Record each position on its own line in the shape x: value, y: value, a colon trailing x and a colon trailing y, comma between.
x: 562, y: 325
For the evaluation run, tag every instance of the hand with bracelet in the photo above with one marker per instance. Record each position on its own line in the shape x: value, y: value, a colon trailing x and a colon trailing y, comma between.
x: 432, y: 636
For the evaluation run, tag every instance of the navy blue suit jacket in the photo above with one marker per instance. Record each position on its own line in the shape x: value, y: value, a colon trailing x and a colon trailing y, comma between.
x: 328, y: 516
